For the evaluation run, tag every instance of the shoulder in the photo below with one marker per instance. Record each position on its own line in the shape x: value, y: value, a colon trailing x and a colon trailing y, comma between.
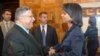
x: 50, y: 27
x: 77, y: 32
x: 36, y: 28
x: 15, y: 30
x: 1, y: 23
x: 14, y: 33
x: 12, y: 22
x: 91, y: 30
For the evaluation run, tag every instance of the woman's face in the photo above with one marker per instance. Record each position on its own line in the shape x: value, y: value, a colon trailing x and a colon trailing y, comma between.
x: 65, y: 17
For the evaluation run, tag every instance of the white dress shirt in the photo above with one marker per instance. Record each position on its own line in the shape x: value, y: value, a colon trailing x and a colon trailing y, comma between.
x: 45, y: 28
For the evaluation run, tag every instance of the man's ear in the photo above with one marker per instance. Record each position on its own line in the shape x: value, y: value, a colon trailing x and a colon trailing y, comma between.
x: 20, y: 18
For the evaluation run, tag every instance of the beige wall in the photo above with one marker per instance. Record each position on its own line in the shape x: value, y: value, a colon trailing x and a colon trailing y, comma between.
x: 85, y: 19
x: 85, y: 23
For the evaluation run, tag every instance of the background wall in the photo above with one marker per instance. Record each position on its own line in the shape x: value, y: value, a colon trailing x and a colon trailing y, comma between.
x: 10, y: 4
x: 53, y: 7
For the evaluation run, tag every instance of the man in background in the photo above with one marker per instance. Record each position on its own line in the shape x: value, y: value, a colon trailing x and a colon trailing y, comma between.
x: 45, y: 34
x: 6, y: 24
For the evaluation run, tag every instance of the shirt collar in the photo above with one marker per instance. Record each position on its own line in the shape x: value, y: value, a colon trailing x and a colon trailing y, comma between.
x: 6, y: 21
x: 45, y: 26
x: 20, y: 25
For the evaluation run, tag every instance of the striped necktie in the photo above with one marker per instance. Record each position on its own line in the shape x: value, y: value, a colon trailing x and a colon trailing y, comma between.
x: 43, y: 36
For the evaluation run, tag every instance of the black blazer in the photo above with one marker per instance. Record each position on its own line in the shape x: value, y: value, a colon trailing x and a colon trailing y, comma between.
x: 1, y: 41
x: 72, y: 43
x: 19, y: 43
x: 92, y: 37
x: 51, y: 37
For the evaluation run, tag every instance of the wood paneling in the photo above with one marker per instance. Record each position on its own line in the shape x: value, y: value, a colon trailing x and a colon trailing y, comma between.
x: 52, y: 7
x: 79, y: 1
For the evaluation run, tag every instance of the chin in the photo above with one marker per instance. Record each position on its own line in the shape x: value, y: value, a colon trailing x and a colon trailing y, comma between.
x: 30, y: 26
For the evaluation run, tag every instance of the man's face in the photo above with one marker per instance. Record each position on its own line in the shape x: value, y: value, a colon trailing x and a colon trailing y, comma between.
x: 7, y: 15
x: 28, y: 19
x: 43, y: 18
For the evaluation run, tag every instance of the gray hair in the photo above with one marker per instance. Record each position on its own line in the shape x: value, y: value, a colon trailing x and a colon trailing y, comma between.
x: 20, y: 11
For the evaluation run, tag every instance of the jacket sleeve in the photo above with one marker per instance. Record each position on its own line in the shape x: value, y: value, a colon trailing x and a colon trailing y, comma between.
x: 86, y: 33
x: 55, y: 37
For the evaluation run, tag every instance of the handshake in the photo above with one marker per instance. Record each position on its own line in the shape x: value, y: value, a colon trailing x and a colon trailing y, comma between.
x: 51, y: 51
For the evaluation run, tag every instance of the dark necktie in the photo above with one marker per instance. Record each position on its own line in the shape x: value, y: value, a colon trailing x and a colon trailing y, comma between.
x: 43, y: 36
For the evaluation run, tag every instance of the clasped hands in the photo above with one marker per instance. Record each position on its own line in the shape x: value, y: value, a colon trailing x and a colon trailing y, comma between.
x: 51, y: 51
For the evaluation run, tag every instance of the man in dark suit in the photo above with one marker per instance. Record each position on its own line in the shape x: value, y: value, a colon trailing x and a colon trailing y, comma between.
x: 18, y: 41
x: 45, y: 34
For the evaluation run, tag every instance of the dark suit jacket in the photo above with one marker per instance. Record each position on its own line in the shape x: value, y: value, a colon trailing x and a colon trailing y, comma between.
x: 92, y: 40
x: 92, y: 36
x: 1, y: 41
x: 51, y: 37
x: 19, y: 43
x: 72, y: 42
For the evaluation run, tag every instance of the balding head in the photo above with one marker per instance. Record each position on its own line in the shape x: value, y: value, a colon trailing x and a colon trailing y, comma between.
x: 20, y: 11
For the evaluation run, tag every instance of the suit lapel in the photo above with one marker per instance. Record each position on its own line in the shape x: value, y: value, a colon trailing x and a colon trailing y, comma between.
x: 40, y: 35
x: 34, y: 41
x: 48, y: 31
x: 68, y: 32
x: 37, y: 44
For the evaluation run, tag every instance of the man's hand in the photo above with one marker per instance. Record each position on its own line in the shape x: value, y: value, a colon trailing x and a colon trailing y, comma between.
x: 51, y: 51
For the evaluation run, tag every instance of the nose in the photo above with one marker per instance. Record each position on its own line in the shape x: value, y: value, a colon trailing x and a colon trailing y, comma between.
x: 33, y: 19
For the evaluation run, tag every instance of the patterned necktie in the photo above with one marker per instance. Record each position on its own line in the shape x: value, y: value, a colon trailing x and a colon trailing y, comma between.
x: 43, y: 35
